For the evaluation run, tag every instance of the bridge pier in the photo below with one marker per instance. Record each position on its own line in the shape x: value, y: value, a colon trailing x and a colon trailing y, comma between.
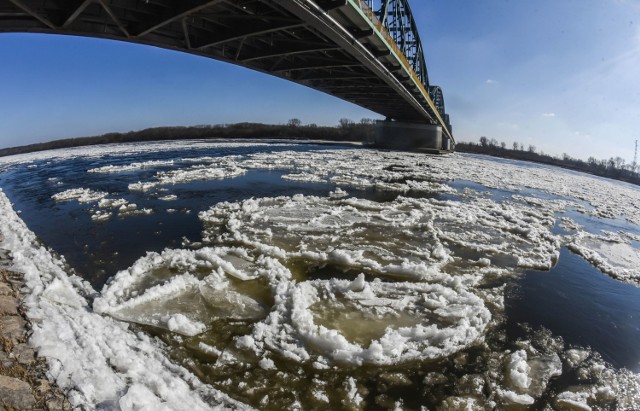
x: 411, y: 136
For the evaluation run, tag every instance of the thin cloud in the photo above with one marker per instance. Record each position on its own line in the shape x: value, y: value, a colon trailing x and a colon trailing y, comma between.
x: 583, y: 135
x: 548, y: 114
x: 509, y: 126
x: 490, y: 81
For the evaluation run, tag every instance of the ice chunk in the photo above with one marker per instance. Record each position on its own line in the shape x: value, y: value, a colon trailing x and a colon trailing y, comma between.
x: 447, y: 321
x: 100, y: 216
x: 612, y: 254
x: 181, y: 324
x: 82, y: 195
x: 94, y: 358
x: 518, y: 371
x: 170, y: 197
x: 221, y: 169
x: 62, y: 292
x: 131, y: 167
x: 515, y: 398
x: 576, y: 357
x: 409, y: 239
x: 358, y: 284
x: 139, y: 397
x: 574, y: 401
x: 210, y: 264
x: 231, y: 304
x: 304, y: 177
x: 267, y: 364
x: 112, y: 203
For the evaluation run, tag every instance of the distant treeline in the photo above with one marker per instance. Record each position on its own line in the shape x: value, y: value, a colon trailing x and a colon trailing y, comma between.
x: 615, y: 167
x: 347, y: 130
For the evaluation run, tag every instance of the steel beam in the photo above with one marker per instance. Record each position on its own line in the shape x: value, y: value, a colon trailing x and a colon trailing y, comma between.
x: 29, y: 11
x: 182, y: 12
x: 76, y: 13
x: 107, y: 8
x: 288, y: 53
x: 247, y: 33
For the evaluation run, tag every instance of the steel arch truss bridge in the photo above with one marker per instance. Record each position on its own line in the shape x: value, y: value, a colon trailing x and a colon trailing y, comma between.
x: 367, y: 52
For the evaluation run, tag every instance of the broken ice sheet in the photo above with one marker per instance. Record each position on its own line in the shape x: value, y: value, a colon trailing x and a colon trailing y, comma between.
x: 614, y: 254
x: 199, y: 286
x: 405, y: 239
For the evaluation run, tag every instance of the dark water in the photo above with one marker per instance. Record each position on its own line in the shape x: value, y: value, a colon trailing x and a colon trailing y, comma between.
x: 579, y: 303
x: 97, y: 250
x: 574, y: 300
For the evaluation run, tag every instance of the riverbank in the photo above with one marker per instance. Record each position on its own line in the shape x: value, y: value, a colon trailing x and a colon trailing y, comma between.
x: 347, y: 132
x: 613, y: 168
x: 23, y: 374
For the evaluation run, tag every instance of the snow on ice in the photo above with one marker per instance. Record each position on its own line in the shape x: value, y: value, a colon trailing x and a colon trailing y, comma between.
x: 416, y: 269
x: 98, y: 360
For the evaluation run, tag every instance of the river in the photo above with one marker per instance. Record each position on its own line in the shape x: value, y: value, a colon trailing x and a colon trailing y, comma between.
x: 276, y: 275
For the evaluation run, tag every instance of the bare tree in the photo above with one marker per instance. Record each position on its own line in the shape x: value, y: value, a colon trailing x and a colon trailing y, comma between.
x: 346, y: 123
x: 294, y: 122
x: 619, y: 162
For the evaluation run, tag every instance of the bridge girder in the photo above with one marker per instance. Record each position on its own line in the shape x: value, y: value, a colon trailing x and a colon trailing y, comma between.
x: 397, y: 18
x: 364, y: 51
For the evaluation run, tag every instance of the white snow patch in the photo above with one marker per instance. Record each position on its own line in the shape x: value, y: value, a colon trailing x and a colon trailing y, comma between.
x: 460, y: 316
x: 515, y: 398
x: 181, y: 324
x: 96, y: 359
x: 518, y: 370
x: 223, y: 168
x: 612, y: 254
x: 82, y: 195
x: 574, y: 400
x: 267, y: 364
x: 131, y: 167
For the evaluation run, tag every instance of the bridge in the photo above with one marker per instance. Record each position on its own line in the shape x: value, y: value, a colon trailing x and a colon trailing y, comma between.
x: 367, y: 52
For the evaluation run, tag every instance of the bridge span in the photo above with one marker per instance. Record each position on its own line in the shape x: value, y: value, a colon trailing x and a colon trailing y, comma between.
x: 367, y: 52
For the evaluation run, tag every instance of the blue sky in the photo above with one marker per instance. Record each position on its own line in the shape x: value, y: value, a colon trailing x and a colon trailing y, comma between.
x: 563, y: 75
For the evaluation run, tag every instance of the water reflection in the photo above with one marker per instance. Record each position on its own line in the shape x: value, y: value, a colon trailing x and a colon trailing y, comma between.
x: 579, y: 303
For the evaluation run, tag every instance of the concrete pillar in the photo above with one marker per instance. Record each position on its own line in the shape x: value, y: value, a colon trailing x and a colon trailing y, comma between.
x: 408, y: 136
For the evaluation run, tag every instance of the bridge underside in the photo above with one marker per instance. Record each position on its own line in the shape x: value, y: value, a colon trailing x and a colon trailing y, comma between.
x: 330, y: 47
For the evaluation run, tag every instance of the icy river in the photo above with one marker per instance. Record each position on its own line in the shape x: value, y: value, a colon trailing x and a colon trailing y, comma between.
x: 200, y: 275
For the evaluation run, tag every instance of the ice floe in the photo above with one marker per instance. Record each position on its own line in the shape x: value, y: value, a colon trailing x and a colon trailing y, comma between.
x: 97, y: 360
x: 131, y: 166
x: 406, y: 238
x: 124, y: 149
x: 403, y: 171
x: 82, y: 195
x: 193, y: 173
x: 195, y: 285
x: 283, y: 289
x: 612, y: 253
x: 415, y: 321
